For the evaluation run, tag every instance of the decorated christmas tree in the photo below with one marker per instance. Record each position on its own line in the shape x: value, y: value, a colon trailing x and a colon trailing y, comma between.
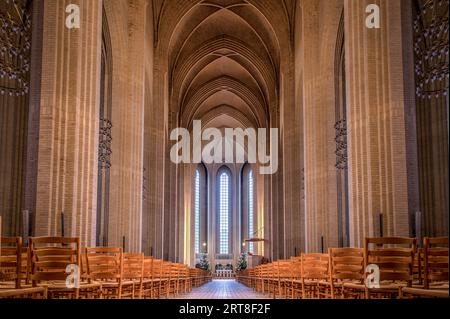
x: 242, y: 262
x: 204, y: 262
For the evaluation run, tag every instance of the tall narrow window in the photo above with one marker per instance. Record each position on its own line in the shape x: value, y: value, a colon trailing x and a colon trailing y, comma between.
x: 224, y: 213
x: 251, y: 229
x: 197, y: 211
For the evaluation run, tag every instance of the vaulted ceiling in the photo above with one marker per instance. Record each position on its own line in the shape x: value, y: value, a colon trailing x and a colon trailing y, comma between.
x: 223, y: 57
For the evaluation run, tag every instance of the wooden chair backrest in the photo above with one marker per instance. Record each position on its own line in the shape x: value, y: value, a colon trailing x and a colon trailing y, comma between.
x: 193, y: 272
x: 270, y: 270
x: 133, y: 266
x: 104, y: 263
x: 315, y: 266
x: 158, y: 269
x: 147, y: 271
x: 296, y: 268
x: 258, y: 271
x: 184, y: 272
x: 50, y: 257
x: 175, y: 271
x: 83, y: 262
x: 166, y: 271
x: 435, y: 260
x: 418, y: 266
x: 346, y: 264
x: 265, y: 271
x: 26, y: 263
x: 394, y: 256
x: 284, y: 269
x: 11, y: 260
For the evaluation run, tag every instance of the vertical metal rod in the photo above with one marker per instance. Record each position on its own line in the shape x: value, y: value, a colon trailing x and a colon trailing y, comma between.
x: 123, y: 243
x: 62, y: 224
x: 419, y: 228
x: 321, y: 244
x: 25, y: 225
x: 381, y: 225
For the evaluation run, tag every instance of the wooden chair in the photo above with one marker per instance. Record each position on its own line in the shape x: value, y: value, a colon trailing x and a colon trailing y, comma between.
x: 196, y: 276
x: 173, y: 272
x: 185, y: 281
x: 270, y: 278
x: 294, y: 287
x: 314, y: 276
x: 251, y: 278
x: 161, y: 273
x: 24, y: 293
x: 84, y: 270
x: 395, y: 258
x: 105, y: 267
x: 257, y: 281
x: 247, y: 277
x: 133, y: 271
x: 50, y: 257
x: 435, y: 256
x: 265, y: 274
x: 203, y: 276
x: 243, y: 277
x: 148, y: 283
x: 283, y: 278
x: 10, y: 262
x: 347, y: 273
x: 418, y: 268
x: 436, y: 263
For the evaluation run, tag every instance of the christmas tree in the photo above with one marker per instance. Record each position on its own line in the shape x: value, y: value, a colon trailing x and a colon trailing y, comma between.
x: 204, y: 262
x: 242, y: 262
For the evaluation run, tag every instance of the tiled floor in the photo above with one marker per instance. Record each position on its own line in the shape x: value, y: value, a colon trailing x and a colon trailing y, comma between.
x: 222, y: 289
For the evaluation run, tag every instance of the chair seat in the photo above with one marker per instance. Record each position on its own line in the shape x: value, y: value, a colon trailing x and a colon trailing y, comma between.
x: 8, y: 293
x: 389, y: 286
x: 439, y: 285
x: 148, y: 281
x: 315, y: 282
x: 61, y: 286
x: 116, y: 284
x: 356, y: 286
x: 436, y: 293
x: 7, y: 285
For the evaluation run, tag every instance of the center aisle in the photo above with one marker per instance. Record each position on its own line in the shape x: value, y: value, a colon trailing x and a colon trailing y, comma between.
x: 222, y: 289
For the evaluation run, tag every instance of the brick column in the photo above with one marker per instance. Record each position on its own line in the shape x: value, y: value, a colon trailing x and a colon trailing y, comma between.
x: 376, y: 122
x: 68, y: 133
x: 127, y: 22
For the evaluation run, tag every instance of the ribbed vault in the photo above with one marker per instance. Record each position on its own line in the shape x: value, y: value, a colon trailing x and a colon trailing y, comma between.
x: 222, y: 53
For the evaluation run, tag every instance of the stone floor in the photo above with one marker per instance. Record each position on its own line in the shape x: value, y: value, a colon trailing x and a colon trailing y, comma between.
x: 222, y: 289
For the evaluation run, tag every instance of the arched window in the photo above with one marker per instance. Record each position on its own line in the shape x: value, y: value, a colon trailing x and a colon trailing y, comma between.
x: 197, y: 211
x: 224, y: 213
x: 251, y: 229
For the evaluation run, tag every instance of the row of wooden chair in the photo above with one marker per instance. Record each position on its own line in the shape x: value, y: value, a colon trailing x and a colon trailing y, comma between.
x: 404, y: 272
x: 56, y: 267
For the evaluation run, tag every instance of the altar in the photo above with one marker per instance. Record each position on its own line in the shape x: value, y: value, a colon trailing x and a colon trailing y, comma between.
x: 224, y: 274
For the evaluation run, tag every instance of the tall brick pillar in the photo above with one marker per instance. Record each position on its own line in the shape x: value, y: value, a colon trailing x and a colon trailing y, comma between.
x: 376, y: 122
x: 127, y: 22
x: 69, y: 123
